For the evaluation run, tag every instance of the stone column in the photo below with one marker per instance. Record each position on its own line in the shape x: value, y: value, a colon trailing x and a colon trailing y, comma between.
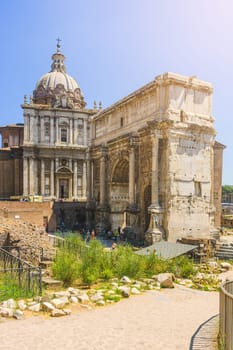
x: 103, y: 184
x: 70, y: 188
x: 154, y: 172
x: 52, y: 178
x: 42, y: 177
x: 31, y: 176
x: 84, y: 180
x: 41, y: 129
x: 57, y: 130
x: 26, y: 128
x: 75, y: 131
x: 89, y: 182
x: 75, y: 179
x: 36, y: 184
x: 56, y: 164
x: 92, y: 179
x: 84, y: 132
x: 31, y: 129
x: 103, y: 208
x: 71, y: 131
x: 57, y: 188
x: 36, y: 129
x: 25, y: 176
x: 51, y: 131
x: 155, y: 232
x: 132, y: 176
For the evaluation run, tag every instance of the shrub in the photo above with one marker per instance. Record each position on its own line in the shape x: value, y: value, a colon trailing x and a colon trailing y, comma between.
x: 66, y: 267
x: 95, y: 263
x: 107, y: 274
x: 184, y: 267
x: 156, y: 265
x: 90, y: 275
x: 181, y: 266
x: 126, y: 263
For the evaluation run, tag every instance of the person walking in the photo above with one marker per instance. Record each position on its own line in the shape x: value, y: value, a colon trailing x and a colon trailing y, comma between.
x: 92, y: 234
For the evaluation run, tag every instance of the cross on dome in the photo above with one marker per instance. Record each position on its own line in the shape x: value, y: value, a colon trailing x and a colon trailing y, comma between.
x: 58, y: 44
x: 58, y: 59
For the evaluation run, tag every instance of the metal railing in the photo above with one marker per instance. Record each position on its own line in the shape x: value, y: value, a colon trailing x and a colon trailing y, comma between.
x: 62, y: 243
x: 226, y: 316
x: 15, y: 273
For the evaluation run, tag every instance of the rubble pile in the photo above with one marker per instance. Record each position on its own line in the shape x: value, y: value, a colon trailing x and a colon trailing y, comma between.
x: 32, y: 240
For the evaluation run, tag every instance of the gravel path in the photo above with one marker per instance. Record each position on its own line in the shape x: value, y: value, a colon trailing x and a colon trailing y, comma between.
x: 156, y: 320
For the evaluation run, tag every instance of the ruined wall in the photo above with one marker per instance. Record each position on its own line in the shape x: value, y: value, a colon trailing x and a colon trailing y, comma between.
x: 190, y: 204
x: 217, y: 182
x: 177, y: 112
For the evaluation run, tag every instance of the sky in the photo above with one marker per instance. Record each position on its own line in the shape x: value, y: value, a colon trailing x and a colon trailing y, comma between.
x: 114, y: 47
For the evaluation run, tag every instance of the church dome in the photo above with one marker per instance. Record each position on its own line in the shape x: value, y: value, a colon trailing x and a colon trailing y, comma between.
x: 58, y: 89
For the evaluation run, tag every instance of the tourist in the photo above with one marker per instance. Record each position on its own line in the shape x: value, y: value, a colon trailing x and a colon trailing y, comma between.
x: 87, y: 236
x: 92, y: 234
x: 114, y: 245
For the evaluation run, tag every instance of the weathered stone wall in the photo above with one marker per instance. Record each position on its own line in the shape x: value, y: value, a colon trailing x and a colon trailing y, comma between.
x: 217, y: 182
x: 190, y: 169
x: 171, y: 118
x: 28, y: 237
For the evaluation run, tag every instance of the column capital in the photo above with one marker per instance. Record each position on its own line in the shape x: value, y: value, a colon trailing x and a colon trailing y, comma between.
x: 103, y: 152
x: 133, y: 141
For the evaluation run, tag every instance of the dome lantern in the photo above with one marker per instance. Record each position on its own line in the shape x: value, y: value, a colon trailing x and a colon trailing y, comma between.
x: 58, y: 89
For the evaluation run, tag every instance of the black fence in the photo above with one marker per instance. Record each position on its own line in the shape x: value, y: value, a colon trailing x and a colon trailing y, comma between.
x: 26, y: 253
x: 18, y: 275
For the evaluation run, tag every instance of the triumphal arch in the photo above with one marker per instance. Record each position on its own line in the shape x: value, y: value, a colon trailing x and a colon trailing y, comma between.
x: 153, y: 160
x: 148, y: 163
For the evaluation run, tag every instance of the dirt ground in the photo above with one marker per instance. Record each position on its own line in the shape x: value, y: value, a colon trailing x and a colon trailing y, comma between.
x: 156, y: 320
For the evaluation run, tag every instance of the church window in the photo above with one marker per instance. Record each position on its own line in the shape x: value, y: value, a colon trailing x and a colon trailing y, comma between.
x: 47, y: 129
x: 122, y: 122
x: 79, y: 186
x: 47, y: 186
x: 197, y: 187
x: 63, y: 135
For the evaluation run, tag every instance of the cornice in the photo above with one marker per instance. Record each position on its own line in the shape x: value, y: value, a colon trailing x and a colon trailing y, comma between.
x: 39, y: 107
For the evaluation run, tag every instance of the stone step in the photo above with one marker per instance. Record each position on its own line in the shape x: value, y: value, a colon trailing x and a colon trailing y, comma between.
x: 45, y: 264
x: 50, y: 282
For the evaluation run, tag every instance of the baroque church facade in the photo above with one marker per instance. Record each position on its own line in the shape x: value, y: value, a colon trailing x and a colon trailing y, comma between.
x: 148, y: 163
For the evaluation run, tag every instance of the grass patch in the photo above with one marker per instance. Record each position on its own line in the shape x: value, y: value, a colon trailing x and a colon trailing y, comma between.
x: 10, y: 289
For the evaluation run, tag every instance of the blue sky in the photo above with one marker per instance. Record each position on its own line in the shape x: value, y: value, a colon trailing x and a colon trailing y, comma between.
x: 114, y: 47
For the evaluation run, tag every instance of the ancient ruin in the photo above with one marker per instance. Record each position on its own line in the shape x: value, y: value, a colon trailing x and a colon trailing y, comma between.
x: 148, y: 164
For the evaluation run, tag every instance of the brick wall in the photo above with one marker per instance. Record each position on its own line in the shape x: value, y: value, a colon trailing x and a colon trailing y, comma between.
x: 36, y: 213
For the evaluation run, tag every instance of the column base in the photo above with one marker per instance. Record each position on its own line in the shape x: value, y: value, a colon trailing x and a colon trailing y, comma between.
x: 153, y: 236
x: 155, y: 232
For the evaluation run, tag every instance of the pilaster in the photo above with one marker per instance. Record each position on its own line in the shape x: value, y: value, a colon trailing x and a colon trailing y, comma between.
x: 155, y: 231
x: 75, y: 179
x: 84, y: 180
x: 42, y: 176
x: 52, y: 178
x: 25, y: 176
